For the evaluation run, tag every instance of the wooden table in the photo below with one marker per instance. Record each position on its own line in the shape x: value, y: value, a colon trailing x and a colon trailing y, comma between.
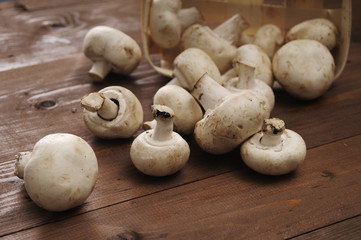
x: 44, y: 75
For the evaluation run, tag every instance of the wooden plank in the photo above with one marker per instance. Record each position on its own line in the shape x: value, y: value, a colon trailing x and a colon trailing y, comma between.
x: 234, y: 205
x: 344, y: 230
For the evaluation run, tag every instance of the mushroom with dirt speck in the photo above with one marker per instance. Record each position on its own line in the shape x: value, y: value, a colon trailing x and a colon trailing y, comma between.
x: 59, y: 173
x: 160, y: 151
x: 230, y: 118
x: 110, y: 50
x: 275, y: 150
x: 113, y: 112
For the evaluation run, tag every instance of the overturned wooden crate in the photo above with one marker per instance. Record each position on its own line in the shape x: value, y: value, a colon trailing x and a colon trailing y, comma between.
x: 283, y: 13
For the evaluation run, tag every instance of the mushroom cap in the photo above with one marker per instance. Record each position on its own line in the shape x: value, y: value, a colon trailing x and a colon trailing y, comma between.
x: 281, y: 159
x: 61, y: 173
x: 232, y: 121
x: 304, y: 68
x: 128, y: 121
x: 191, y: 64
x: 103, y: 43
x: 186, y: 108
x: 319, y: 29
x: 254, y: 55
x: 159, y: 158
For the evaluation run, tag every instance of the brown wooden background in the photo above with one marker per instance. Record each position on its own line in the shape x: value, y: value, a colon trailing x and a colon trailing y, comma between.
x: 213, y: 197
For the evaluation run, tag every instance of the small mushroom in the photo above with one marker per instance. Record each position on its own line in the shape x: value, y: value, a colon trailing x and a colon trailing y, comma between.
x: 110, y: 50
x: 160, y: 151
x: 186, y: 108
x: 304, y: 68
x: 202, y: 37
x: 246, y: 81
x: 167, y: 20
x: 270, y: 38
x: 253, y: 55
x: 275, y: 150
x: 190, y: 65
x: 230, y: 118
x: 319, y: 29
x: 59, y: 173
x: 113, y: 112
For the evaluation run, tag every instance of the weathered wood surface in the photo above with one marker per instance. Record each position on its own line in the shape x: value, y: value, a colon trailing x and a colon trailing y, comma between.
x: 213, y: 196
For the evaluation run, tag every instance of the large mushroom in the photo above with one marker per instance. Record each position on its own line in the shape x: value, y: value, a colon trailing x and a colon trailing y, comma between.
x: 304, y: 68
x: 110, y: 50
x: 230, y: 118
x: 59, y: 173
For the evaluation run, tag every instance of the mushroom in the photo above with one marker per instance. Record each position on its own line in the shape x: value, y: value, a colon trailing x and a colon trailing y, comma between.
x: 253, y: 55
x: 190, y: 65
x: 202, y: 37
x: 59, y: 173
x: 113, y: 112
x: 246, y: 81
x: 275, y: 150
x: 167, y: 20
x: 270, y: 38
x: 110, y: 50
x: 319, y: 29
x: 160, y: 151
x: 231, y: 29
x: 186, y: 108
x: 304, y: 68
x: 230, y: 118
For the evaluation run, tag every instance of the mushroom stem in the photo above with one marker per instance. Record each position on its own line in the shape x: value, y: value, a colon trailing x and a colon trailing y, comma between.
x: 97, y: 102
x: 272, y: 130
x: 208, y: 92
x: 164, y: 117
x: 22, y: 159
x: 246, y: 75
x: 99, y: 70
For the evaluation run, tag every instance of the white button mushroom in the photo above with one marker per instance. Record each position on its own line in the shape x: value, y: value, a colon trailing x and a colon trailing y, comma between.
x: 160, y: 151
x: 190, y: 65
x: 110, y: 50
x: 186, y: 108
x: 202, y: 37
x: 246, y: 81
x: 230, y: 118
x: 253, y: 55
x: 304, y: 68
x: 113, y: 112
x: 319, y: 29
x: 275, y: 150
x: 167, y: 20
x: 60, y: 172
x: 270, y: 38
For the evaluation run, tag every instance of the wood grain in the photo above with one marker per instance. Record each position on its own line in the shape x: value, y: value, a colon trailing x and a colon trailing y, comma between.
x: 43, y: 75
